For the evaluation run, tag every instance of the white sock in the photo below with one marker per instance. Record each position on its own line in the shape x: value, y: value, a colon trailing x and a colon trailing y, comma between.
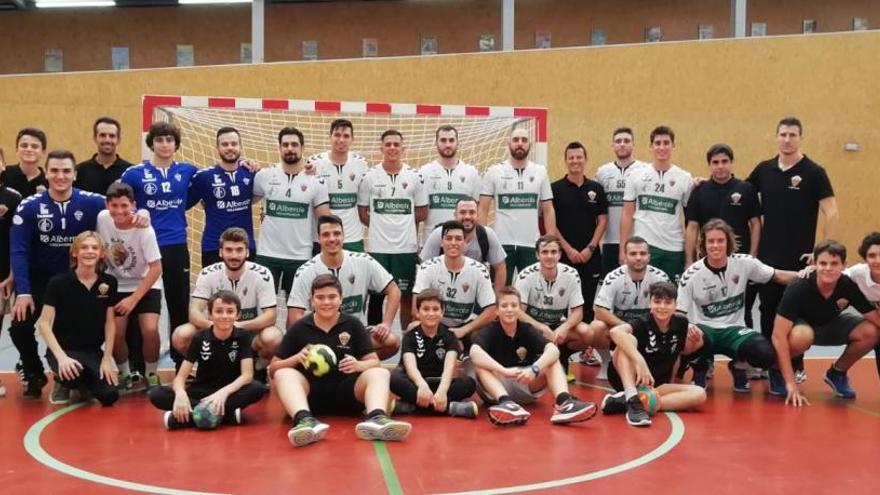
x: 152, y: 368
x: 630, y: 392
x: 124, y: 369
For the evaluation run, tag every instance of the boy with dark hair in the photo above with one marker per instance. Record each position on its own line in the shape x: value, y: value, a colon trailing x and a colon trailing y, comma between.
x: 27, y: 177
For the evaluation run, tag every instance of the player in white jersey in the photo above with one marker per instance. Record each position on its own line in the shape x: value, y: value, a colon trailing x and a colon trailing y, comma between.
x: 133, y: 257
x: 290, y: 201
x: 447, y: 179
x: 358, y: 273
x: 613, y: 177
x: 342, y: 172
x: 867, y: 276
x: 712, y: 294
x: 521, y: 190
x: 653, y: 205
x: 391, y: 202
x: 463, y: 284
x: 251, y: 282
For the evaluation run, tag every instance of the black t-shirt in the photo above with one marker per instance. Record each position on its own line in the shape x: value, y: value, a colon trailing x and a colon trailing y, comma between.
x: 219, y: 361
x: 348, y: 336
x: 660, y: 349
x: 93, y: 177
x: 523, y: 349
x: 802, y: 301
x: 577, y: 209
x: 9, y: 200
x: 790, y: 204
x: 735, y: 202
x: 13, y: 177
x: 80, y: 313
x: 430, y: 352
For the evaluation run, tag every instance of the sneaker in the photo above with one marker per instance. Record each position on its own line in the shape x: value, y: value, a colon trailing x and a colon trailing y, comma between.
x: 153, y: 381
x: 402, y: 407
x: 800, y: 376
x: 382, y: 428
x: 839, y: 382
x: 614, y: 403
x: 308, y: 430
x: 2, y: 389
x: 740, y: 379
x: 60, y: 394
x: 753, y: 373
x: 590, y: 359
x: 233, y: 417
x: 463, y: 409
x: 636, y: 414
x: 573, y: 411
x: 171, y: 423
x: 777, y: 383
x: 137, y: 383
x: 569, y: 377
x: 124, y: 384
x: 508, y: 413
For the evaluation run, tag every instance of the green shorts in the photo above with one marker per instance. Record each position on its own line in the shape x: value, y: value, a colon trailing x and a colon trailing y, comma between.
x: 518, y: 258
x: 282, y: 270
x: 356, y: 247
x: 671, y: 262
x: 726, y: 340
x: 401, y: 266
x: 610, y: 256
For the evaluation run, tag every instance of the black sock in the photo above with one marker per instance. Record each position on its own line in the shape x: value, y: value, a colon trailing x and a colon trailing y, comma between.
x: 301, y: 415
x: 375, y: 413
x: 834, y: 369
x: 562, y: 397
x: 504, y: 398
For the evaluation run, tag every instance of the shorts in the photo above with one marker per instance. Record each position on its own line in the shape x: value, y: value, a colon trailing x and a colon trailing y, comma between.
x: 671, y: 262
x: 519, y: 392
x: 282, y: 270
x: 725, y: 340
x: 836, y: 331
x: 661, y: 377
x: 610, y: 253
x: 518, y: 258
x: 150, y: 303
x: 355, y: 247
x: 334, y: 395
x: 401, y: 266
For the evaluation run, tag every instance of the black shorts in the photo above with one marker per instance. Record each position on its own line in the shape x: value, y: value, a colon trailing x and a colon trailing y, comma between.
x: 150, y: 303
x: 334, y: 395
x: 659, y: 378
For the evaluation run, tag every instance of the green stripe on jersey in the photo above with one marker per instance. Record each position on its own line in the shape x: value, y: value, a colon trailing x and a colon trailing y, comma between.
x: 657, y: 204
x: 518, y: 201
x: 457, y: 310
x: 444, y: 201
x: 343, y: 201
x: 392, y: 206
x: 724, y: 307
x: 615, y: 198
x: 549, y: 317
x: 352, y: 305
x: 247, y: 314
x: 286, y: 209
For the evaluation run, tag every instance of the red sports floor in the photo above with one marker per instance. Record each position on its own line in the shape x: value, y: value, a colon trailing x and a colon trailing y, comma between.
x: 735, y: 444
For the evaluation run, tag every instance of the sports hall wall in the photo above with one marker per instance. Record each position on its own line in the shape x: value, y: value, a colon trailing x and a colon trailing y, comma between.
x: 731, y: 91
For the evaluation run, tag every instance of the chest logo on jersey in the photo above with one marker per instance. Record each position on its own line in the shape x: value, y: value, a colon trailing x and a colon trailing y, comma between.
x: 44, y: 210
x: 465, y: 287
x: 218, y: 181
x: 103, y: 289
x: 148, y: 175
x: 233, y: 352
x: 178, y: 177
x: 219, y: 192
x: 303, y: 187
x: 795, y: 182
x: 561, y: 291
x: 404, y: 185
x: 205, y: 351
x: 78, y: 215
x: 461, y: 179
x: 351, y: 279
x: 842, y: 303
x: 671, y: 182
x: 344, y: 337
x: 440, y: 351
x: 150, y: 188
x: 734, y: 198
x: 735, y: 279
x: 45, y: 225
x: 521, y: 353
x: 591, y: 196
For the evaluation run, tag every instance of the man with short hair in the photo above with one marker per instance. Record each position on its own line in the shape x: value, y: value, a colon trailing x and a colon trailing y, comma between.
x: 342, y: 172
x: 613, y: 177
x: 106, y: 166
x: 391, y: 202
x: 480, y: 242
x: 447, y: 179
x: 867, y: 276
x: 290, y: 202
x: 27, y: 176
x: 226, y: 191
x: 358, y: 273
x: 521, y: 191
x: 813, y: 310
x: 653, y: 205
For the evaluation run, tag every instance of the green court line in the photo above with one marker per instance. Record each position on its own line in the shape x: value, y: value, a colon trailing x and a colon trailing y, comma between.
x: 35, y: 449
x: 391, y: 479
x: 864, y: 410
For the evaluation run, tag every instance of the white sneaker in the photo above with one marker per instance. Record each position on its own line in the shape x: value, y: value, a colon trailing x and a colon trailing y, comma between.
x: 800, y: 376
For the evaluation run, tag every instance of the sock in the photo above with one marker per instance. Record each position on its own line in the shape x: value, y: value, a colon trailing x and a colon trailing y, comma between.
x: 124, y: 368
x: 301, y: 415
x: 152, y: 368
x: 375, y: 413
x: 835, y: 369
x: 562, y: 397
x: 504, y: 398
x: 630, y: 392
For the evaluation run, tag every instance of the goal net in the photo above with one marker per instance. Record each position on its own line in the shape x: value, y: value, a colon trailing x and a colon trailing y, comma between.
x: 482, y: 132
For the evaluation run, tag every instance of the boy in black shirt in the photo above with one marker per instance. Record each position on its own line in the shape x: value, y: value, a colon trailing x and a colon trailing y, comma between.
x: 648, y: 349
x: 357, y: 381
x: 9, y: 200
x: 515, y: 364
x: 812, y: 312
x: 429, y: 352
x: 224, y: 378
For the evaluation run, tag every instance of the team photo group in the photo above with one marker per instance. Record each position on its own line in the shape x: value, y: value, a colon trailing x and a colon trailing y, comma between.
x: 477, y: 290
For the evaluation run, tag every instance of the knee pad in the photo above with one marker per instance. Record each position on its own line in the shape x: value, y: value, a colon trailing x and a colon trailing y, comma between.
x: 758, y: 352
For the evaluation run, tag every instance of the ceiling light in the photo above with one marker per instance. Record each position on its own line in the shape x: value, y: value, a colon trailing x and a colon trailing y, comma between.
x: 57, y: 4
x: 202, y: 2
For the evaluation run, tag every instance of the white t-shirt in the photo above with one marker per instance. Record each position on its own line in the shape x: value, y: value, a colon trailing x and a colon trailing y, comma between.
x: 660, y: 199
x: 359, y: 274
x: 342, y: 183
x: 129, y: 252
x: 288, y: 206
x: 717, y: 297
x: 459, y: 290
x: 445, y: 187
x: 518, y: 194
x: 549, y: 301
x: 861, y: 275
x: 613, y: 180
x: 392, y: 200
x: 255, y: 288
x: 625, y: 297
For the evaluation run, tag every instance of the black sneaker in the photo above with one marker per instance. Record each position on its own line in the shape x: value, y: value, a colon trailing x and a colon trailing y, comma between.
x: 636, y: 414
x: 232, y: 417
x: 740, y: 379
x: 171, y: 423
x: 573, y: 411
x: 33, y: 386
x: 614, y: 403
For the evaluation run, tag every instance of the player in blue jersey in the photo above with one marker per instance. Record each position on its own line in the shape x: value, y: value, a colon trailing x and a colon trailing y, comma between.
x: 226, y: 191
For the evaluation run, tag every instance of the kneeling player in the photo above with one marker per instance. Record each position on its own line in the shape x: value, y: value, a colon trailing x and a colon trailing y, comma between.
x: 424, y: 378
x: 515, y: 364
x: 647, y: 350
x: 359, y: 381
x: 225, y: 372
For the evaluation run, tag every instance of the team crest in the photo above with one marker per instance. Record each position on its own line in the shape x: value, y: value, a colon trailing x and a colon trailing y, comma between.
x: 591, y: 195
x: 795, y: 181
x: 303, y: 187
x: 465, y: 287
x: 150, y: 188
x: 78, y: 215
x: 735, y: 279
x: 232, y: 355
x: 344, y: 337
x: 672, y: 183
x: 735, y: 197
x: 244, y: 292
x: 351, y: 279
x: 521, y: 353
x: 44, y: 224
x: 440, y: 352
x: 103, y: 289
x: 351, y: 177
x: 246, y: 181
x: 462, y: 179
x: 403, y: 185
x: 561, y: 291
x: 842, y: 303
x: 178, y: 177
x: 532, y: 179
x: 219, y: 192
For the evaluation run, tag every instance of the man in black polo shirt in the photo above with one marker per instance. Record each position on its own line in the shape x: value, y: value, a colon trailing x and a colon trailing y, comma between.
x: 793, y: 189
x: 105, y: 167
x: 812, y: 312
x: 27, y: 176
x: 581, y: 217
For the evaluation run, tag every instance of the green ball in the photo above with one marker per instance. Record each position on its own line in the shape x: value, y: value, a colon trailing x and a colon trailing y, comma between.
x: 650, y: 399
x: 320, y: 360
x: 205, y: 418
